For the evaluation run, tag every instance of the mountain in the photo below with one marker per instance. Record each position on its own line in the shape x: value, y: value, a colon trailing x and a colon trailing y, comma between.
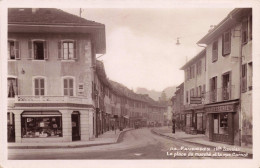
x: 169, y: 91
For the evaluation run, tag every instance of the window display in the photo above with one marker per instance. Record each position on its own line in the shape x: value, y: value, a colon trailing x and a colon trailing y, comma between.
x: 221, y: 123
x: 41, y: 127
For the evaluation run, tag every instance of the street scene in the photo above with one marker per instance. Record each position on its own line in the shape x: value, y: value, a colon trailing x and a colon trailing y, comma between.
x: 118, y: 84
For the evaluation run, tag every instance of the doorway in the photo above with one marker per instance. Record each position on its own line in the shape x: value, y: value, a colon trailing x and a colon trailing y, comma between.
x: 10, y: 127
x: 75, y: 123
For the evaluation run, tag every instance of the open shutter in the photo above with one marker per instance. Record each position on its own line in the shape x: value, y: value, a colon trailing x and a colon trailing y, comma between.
x: 46, y: 50
x: 30, y: 52
x: 215, y: 51
x: 17, y: 50
x: 226, y: 43
x: 244, y: 32
x: 59, y: 50
x: 75, y: 48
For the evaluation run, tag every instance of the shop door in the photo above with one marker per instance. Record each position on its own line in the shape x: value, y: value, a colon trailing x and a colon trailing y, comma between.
x: 10, y: 127
x: 75, y: 122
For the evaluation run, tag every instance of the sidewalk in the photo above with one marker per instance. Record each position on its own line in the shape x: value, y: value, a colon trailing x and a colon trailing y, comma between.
x: 200, y: 139
x: 109, y: 137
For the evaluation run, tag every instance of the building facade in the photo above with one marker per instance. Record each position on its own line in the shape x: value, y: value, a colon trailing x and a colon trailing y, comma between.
x: 228, y: 55
x: 194, y: 89
x: 178, y: 107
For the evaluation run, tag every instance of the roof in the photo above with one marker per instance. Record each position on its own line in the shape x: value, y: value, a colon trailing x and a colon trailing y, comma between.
x: 194, y: 59
x: 50, y: 20
x: 46, y: 16
x: 228, y: 22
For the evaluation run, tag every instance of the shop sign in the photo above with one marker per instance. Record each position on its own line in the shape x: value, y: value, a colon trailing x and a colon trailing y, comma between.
x: 222, y: 108
x: 195, y: 100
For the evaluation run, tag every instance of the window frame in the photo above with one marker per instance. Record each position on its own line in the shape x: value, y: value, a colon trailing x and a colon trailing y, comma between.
x: 226, y: 45
x: 74, y: 85
x: 15, y: 89
x: 214, y: 51
x: 45, y: 84
x: 31, y: 49
x: 61, y: 50
x: 16, y: 49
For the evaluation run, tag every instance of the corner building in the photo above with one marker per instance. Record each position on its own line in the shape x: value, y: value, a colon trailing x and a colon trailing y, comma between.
x: 50, y: 75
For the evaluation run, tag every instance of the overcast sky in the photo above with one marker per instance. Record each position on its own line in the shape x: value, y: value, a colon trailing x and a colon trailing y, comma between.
x: 141, y: 43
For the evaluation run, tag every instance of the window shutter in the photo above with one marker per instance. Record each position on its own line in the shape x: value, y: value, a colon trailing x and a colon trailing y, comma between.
x: 244, y: 78
x: 215, y: 51
x: 30, y: 52
x: 75, y: 50
x: 59, y: 50
x: 46, y: 50
x: 226, y: 43
x: 17, y: 50
x: 244, y: 32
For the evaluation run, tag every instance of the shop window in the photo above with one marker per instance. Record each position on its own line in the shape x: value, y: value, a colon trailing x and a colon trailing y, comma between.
x: 250, y: 76
x: 215, y: 51
x: 41, y: 127
x: 12, y: 87
x: 39, y: 86
x: 244, y: 78
x: 226, y: 43
x: 226, y: 89
x: 13, y: 50
x: 68, y: 86
x: 220, y: 123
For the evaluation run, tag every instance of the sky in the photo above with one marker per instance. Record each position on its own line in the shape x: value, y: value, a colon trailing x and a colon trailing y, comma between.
x: 141, y: 42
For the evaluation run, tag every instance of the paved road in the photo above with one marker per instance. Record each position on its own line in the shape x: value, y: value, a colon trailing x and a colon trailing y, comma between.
x: 136, y: 144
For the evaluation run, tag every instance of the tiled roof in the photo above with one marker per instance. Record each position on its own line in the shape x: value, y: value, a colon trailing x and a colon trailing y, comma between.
x: 46, y: 16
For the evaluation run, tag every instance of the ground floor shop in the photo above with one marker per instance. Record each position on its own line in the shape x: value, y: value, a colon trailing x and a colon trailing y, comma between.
x: 194, y: 121
x: 224, y: 122
x: 53, y: 125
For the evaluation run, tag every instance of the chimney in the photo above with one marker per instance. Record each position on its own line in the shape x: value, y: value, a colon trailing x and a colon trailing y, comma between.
x: 34, y: 10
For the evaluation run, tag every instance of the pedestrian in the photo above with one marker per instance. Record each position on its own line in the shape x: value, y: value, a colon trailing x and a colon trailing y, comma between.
x: 173, y: 126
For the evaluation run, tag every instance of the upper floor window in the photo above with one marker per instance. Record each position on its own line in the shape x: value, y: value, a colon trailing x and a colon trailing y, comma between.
x: 67, y: 50
x: 226, y: 87
x: 250, y: 76
x: 245, y: 31
x: 215, y: 51
x: 68, y: 87
x: 12, y: 87
x: 38, y: 50
x: 250, y: 27
x: 198, y: 67
x: 213, y: 89
x: 226, y: 43
x: 244, y: 78
x: 39, y: 86
x: 13, y: 50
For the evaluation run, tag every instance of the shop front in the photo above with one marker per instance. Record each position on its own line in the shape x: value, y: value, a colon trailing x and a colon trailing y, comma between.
x: 200, y: 123
x: 223, y: 122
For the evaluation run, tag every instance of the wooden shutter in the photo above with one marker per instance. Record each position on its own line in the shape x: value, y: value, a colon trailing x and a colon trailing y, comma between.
x: 59, y: 50
x: 215, y: 51
x: 226, y: 43
x: 244, y: 78
x: 17, y: 50
x: 244, y: 32
x: 46, y: 50
x: 75, y: 50
x: 30, y: 52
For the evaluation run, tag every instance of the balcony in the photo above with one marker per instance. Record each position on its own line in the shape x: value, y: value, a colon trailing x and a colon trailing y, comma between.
x: 220, y: 94
x: 51, y: 99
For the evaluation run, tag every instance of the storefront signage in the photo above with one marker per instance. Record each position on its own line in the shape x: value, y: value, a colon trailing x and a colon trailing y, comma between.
x: 195, y: 100
x: 221, y: 108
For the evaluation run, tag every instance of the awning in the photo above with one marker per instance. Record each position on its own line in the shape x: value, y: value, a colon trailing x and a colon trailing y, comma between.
x: 41, y: 114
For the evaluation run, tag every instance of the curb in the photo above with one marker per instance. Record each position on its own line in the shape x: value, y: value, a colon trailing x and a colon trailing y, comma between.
x: 119, y: 138
x: 172, y: 138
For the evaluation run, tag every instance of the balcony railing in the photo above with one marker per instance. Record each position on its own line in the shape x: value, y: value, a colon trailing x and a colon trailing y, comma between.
x: 50, y: 99
x: 220, y: 94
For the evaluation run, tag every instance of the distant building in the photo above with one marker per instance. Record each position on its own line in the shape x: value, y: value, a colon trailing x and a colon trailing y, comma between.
x: 178, y: 107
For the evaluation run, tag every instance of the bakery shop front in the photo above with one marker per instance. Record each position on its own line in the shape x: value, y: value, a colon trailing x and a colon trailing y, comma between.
x: 223, y: 121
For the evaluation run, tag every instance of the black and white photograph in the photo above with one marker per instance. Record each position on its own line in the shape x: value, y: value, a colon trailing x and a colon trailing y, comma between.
x: 159, y: 82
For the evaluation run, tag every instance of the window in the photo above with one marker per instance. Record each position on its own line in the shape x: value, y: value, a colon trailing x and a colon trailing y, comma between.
x: 220, y: 123
x: 215, y: 51
x: 226, y: 89
x: 226, y: 43
x: 250, y: 28
x: 67, y: 50
x: 39, y: 87
x: 187, y: 97
x: 38, y: 50
x: 13, y: 50
x: 244, y: 31
x: 250, y: 76
x: 199, y: 91
x: 68, y: 87
x: 12, y: 87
